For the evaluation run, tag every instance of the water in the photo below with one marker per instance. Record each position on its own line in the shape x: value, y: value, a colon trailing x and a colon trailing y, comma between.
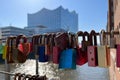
x: 51, y: 70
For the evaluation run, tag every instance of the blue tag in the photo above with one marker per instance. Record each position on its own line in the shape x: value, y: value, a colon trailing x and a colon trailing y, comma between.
x: 68, y: 59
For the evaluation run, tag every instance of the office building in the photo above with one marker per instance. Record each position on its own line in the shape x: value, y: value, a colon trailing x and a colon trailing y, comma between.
x: 12, y: 31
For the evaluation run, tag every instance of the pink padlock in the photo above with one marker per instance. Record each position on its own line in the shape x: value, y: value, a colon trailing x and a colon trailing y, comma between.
x: 92, y: 51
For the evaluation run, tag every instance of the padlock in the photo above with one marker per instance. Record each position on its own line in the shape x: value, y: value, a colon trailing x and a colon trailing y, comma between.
x: 118, y: 55
x: 68, y: 56
x: 92, y: 51
x: 35, y: 44
x: 4, y: 52
x: 56, y: 54
x: 81, y: 55
x: 102, y: 57
x: 24, y: 46
x: 34, y: 48
x: 17, y: 55
x: 61, y: 40
x: 47, y: 47
x: 1, y: 53
x: 8, y: 54
x: 56, y: 51
x: 103, y: 53
x: 68, y: 59
x: 85, y: 42
x: 41, y: 50
x: 47, y: 44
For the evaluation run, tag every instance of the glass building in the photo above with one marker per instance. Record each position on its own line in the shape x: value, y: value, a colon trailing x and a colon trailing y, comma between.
x: 58, y: 18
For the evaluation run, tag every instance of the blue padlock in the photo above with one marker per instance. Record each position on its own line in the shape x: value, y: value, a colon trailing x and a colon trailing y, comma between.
x: 68, y: 59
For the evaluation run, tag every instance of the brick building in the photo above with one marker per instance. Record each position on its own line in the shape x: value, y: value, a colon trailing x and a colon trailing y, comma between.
x: 114, y: 24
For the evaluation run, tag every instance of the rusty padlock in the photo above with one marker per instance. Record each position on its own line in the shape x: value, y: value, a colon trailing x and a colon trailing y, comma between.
x: 9, y: 50
x: 92, y: 50
x: 61, y: 40
x: 85, y: 41
x: 18, y: 56
x: 49, y: 46
x: 56, y: 51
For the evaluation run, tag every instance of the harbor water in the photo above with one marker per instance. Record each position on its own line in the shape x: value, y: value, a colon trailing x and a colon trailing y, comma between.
x: 53, y: 73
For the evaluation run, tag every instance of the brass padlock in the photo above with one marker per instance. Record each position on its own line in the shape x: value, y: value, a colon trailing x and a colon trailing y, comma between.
x: 103, y: 53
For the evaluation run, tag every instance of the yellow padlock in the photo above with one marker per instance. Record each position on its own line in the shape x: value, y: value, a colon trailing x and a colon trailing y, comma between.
x: 4, y: 52
x: 103, y: 53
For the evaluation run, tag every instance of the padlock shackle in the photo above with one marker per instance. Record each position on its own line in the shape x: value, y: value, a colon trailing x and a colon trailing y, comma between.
x: 72, y: 40
x: 80, y: 33
x: 102, y: 37
x: 34, y: 40
x: 93, y: 34
x: 20, y: 37
x: 47, y: 39
x: 86, y: 34
x: 51, y: 39
x: 39, y: 39
x: 8, y: 41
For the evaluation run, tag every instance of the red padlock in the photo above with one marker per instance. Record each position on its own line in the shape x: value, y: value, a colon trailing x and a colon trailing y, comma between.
x: 118, y: 56
x: 61, y: 40
x: 92, y: 50
x: 56, y: 52
x: 24, y: 46
x: 81, y: 55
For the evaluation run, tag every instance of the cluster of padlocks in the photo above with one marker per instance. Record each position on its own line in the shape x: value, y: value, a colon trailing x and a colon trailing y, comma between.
x: 62, y: 48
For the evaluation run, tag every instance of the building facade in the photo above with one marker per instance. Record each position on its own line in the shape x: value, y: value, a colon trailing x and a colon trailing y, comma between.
x: 59, y: 18
x: 12, y: 31
x: 41, y: 30
x: 114, y: 24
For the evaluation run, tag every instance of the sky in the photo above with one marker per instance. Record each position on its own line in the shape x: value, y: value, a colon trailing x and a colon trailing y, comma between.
x: 92, y: 13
